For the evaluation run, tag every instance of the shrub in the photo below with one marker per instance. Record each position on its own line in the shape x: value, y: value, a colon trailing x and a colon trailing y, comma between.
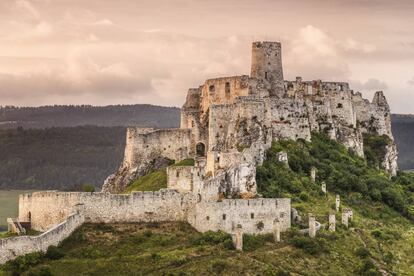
x: 147, y: 233
x: 218, y: 266
x: 313, y: 246
x: 24, y: 263
x: 88, y: 188
x: 304, y: 196
x: 260, y: 225
x: 54, y: 253
x: 155, y: 256
x: 211, y: 237
x: 362, y: 252
x: 253, y: 242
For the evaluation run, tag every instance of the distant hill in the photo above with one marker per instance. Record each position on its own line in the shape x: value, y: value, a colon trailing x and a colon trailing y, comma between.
x: 59, y: 158
x: 403, y: 130
x: 142, y: 115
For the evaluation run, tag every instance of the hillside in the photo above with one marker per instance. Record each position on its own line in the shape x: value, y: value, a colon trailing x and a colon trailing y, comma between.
x: 380, y: 238
x: 403, y: 130
x: 59, y: 158
x: 142, y: 115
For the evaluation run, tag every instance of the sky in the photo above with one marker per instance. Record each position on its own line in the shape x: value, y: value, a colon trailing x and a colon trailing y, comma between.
x: 103, y: 52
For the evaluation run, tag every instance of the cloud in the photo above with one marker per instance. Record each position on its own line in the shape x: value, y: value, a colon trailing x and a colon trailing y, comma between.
x: 103, y: 22
x: 370, y: 85
x: 411, y: 82
x: 27, y: 8
x: 79, y: 77
x: 314, y: 54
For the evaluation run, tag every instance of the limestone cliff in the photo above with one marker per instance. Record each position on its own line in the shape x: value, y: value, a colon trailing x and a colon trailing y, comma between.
x: 230, y: 121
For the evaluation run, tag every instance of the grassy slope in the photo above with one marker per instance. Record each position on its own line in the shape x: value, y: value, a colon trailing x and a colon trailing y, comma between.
x: 155, y: 180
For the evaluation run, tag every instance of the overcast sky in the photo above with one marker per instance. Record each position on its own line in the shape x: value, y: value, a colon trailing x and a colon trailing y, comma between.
x: 133, y: 51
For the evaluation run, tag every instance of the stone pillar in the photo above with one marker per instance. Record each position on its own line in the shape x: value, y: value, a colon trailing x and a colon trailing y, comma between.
x: 238, y: 238
x: 282, y: 156
x: 345, y: 218
x: 337, y: 203
x: 312, y: 225
x: 276, y: 230
x: 323, y: 187
x: 350, y: 214
x: 313, y: 174
x: 332, y: 222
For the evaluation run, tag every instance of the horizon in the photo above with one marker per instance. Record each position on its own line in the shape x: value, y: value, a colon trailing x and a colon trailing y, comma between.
x: 99, y: 53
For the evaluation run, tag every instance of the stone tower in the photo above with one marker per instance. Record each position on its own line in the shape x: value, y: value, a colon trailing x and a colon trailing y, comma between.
x: 267, y: 65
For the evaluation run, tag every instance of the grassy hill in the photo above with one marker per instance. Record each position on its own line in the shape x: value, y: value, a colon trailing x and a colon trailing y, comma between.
x: 380, y: 238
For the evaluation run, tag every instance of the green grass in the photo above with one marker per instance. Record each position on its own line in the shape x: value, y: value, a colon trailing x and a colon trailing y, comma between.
x: 155, y: 180
x: 151, y: 182
x: 185, y: 162
x: 177, y: 249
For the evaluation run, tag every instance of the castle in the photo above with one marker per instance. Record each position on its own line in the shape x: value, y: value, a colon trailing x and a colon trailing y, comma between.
x: 227, y: 124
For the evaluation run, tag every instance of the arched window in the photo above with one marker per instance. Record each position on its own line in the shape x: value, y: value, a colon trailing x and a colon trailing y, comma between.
x: 29, y: 216
x: 200, y: 149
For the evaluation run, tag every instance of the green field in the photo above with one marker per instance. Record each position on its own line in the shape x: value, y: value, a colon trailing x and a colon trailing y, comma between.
x: 9, y: 206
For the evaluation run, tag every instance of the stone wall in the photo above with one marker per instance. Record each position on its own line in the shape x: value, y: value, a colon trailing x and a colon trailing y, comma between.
x: 255, y: 215
x: 46, y: 209
x: 170, y: 143
x: 149, y: 150
x: 10, y: 248
x: 223, y: 90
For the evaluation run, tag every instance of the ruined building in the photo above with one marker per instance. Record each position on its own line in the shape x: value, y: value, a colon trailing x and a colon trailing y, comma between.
x: 227, y: 124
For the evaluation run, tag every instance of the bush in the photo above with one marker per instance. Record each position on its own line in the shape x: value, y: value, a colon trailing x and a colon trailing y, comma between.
x: 88, y: 188
x: 219, y: 266
x: 304, y: 196
x: 211, y: 237
x: 253, y: 242
x: 312, y: 246
x: 54, y: 253
x: 362, y: 252
x: 24, y: 263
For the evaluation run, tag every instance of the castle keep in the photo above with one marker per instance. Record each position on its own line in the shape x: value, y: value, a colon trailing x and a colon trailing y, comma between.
x: 227, y: 124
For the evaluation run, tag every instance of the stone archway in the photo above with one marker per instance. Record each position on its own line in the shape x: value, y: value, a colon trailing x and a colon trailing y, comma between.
x: 200, y: 150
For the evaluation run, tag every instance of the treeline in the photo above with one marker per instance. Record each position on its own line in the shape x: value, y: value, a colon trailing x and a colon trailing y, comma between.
x: 59, y: 158
x: 143, y: 115
x: 403, y: 130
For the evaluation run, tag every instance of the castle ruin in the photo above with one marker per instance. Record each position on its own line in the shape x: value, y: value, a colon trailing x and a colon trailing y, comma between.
x: 227, y: 124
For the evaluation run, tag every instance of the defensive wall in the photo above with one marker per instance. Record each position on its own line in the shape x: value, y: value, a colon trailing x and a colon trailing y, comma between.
x: 254, y: 215
x: 46, y: 209
x: 11, y: 248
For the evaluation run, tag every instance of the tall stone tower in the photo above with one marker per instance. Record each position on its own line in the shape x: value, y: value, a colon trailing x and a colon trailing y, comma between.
x: 267, y: 65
